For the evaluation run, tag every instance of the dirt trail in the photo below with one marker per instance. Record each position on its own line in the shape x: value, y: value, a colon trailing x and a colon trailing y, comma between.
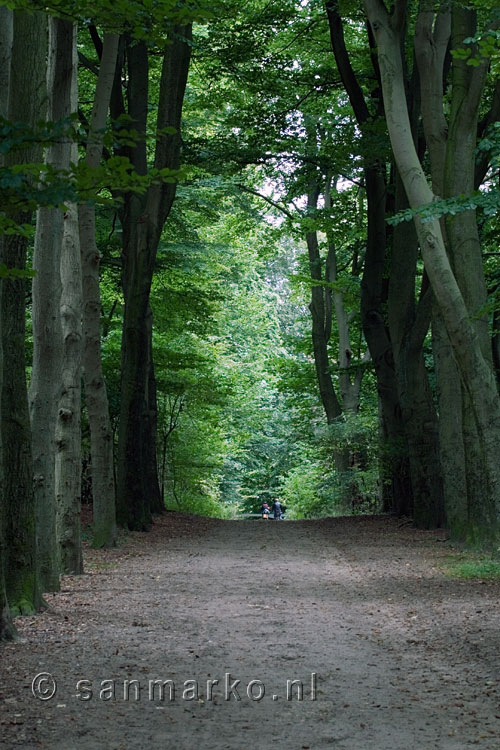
x: 402, y: 657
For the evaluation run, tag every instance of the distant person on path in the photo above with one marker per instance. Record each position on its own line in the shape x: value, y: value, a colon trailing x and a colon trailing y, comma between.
x: 277, y: 510
x: 265, y: 510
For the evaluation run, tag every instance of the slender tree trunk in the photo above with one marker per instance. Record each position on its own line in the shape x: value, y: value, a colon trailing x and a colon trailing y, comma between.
x: 350, y: 373
x: 331, y: 404
x: 323, y: 302
x: 101, y: 435
x: 321, y: 319
x: 26, y: 98
x: 151, y: 424
x: 476, y: 373
x: 7, y: 630
x: 68, y: 468
x: 47, y: 336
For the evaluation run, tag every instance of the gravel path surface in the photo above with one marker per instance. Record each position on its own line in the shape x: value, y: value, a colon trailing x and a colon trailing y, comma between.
x: 390, y: 654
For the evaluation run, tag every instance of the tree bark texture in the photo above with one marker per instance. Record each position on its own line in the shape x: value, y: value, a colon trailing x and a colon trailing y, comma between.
x: 68, y: 430
x: 320, y: 326
x: 452, y: 149
x: 7, y: 630
x: 151, y: 423
x: 142, y: 221
x: 408, y: 325
x: 395, y: 468
x: 47, y: 335
x: 476, y: 373
x: 101, y: 434
x: 26, y: 99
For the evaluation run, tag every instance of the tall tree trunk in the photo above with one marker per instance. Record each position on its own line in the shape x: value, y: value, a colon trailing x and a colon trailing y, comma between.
x: 495, y: 344
x: 320, y: 336
x: 151, y: 423
x: 464, y: 243
x: 452, y: 148
x: 133, y: 508
x: 395, y: 468
x: 432, y: 35
x: 476, y: 373
x: 101, y: 434
x: 26, y: 97
x: 68, y: 469
x: 142, y: 222
x: 7, y: 630
x: 350, y: 373
x: 395, y: 456
x: 409, y: 326
x: 47, y: 336
x: 452, y: 450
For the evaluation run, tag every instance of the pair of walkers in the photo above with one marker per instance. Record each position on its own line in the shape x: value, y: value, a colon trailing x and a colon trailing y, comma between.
x: 277, y: 510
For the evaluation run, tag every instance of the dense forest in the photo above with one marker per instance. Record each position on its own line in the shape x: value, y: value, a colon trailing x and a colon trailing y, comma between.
x: 248, y: 251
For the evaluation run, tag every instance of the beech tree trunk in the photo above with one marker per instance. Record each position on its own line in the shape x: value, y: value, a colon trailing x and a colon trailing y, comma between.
x: 44, y: 389
x: 26, y: 98
x: 68, y: 431
x: 395, y: 467
x: 320, y: 335
x: 408, y: 325
x: 151, y: 423
x: 101, y: 434
x: 7, y: 630
x: 395, y: 455
x: 476, y: 372
x: 452, y: 149
x: 465, y: 247
x: 350, y: 372
x: 142, y: 221
x: 326, y: 301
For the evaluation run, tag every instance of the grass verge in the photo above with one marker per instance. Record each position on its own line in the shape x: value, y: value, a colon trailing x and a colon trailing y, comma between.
x: 473, y: 565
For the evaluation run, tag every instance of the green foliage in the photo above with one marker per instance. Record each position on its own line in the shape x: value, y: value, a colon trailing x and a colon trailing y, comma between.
x: 148, y: 20
x: 468, y: 565
x: 9, y: 226
x: 15, y: 136
x: 15, y: 273
x: 302, y: 492
x: 483, y: 48
x: 486, y: 200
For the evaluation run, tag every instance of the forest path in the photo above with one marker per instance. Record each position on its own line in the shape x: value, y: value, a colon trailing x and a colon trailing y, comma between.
x: 403, y: 657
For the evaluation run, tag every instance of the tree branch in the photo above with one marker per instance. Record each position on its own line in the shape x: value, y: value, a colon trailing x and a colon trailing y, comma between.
x: 86, y: 63
x: 96, y: 39
x: 344, y: 66
x: 267, y: 199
